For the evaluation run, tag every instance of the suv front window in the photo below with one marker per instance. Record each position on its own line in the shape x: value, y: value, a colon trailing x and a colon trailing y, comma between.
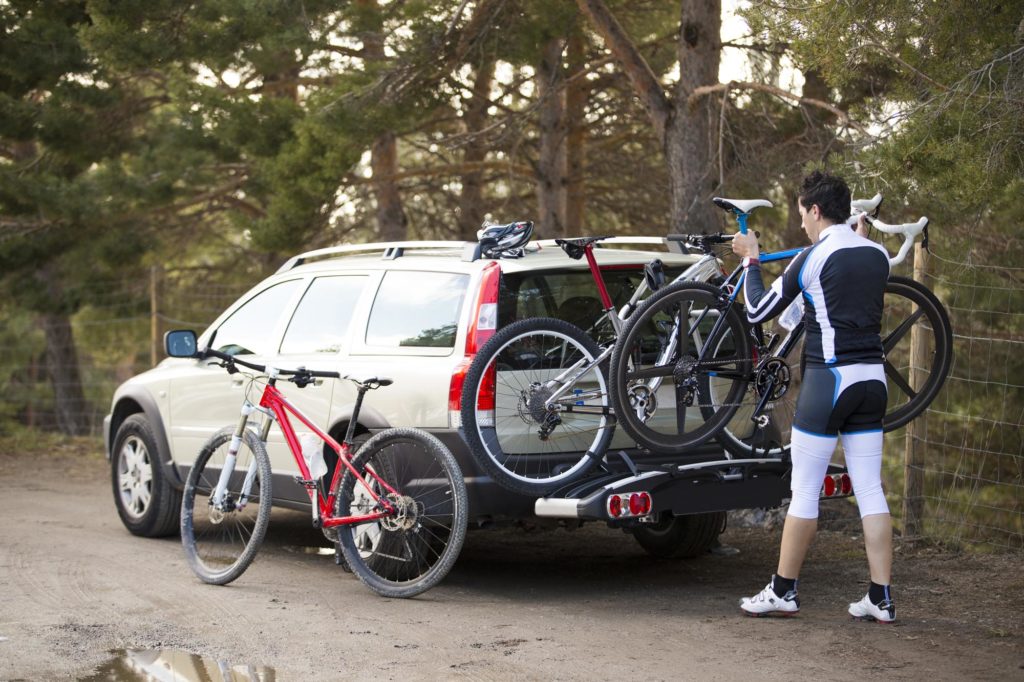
x: 416, y: 309
x: 249, y: 330
x: 321, y: 319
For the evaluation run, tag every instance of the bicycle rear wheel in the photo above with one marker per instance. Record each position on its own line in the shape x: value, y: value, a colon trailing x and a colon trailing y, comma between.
x: 908, y: 307
x: 661, y: 393
x: 408, y: 553
x: 535, y: 406
x: 221, y: 540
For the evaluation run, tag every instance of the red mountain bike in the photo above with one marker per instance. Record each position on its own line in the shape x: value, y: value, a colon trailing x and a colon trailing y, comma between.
x: 397, y: 509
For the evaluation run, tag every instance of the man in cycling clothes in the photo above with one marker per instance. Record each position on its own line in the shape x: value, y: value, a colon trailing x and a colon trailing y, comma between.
x: 842, y: 279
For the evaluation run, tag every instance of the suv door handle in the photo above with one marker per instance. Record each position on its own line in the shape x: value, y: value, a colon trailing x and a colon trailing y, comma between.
x: 237, y: 381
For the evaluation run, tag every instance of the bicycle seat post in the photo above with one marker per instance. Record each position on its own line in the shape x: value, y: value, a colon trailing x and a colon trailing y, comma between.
x: 350, y: 432
x: 602, y: 289
x: 741, y: 219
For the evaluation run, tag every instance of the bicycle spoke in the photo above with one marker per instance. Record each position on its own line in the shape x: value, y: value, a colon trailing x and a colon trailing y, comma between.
x: 897, y: 334
x: 899, y: 380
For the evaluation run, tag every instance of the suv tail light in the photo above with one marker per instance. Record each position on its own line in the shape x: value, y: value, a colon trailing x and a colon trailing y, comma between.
x: 624, y: 505
x: 837, y: 485
x: 482, y: 326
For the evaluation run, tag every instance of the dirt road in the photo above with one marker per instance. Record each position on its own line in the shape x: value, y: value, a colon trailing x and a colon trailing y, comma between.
x: 76, y: 591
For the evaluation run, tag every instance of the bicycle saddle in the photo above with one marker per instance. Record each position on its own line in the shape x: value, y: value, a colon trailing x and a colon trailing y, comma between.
x: 371, y: 383
x: 741, y: 205
x: 575, y: 248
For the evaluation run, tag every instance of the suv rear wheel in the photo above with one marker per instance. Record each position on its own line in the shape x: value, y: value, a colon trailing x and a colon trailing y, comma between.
x: 680, y: 537
x: 145, y: 501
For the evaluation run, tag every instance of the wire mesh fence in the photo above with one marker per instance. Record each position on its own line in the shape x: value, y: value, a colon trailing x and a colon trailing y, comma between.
x: 971, y: 470
x: 969, y: 473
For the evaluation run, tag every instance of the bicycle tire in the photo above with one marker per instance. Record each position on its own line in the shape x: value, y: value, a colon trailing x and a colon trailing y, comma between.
x: 898, y: 321
x: 220, y: 545
x: 404, y: 556
x: 907, y: 304
x: 519, y: 363
x: 654, y: 420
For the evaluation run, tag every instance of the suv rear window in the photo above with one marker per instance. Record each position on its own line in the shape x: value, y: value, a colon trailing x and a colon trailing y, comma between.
x: 569, y: 295
x: 416, y: 309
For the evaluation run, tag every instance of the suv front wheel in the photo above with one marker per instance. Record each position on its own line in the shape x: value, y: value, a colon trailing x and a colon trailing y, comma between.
x: 146, y: 502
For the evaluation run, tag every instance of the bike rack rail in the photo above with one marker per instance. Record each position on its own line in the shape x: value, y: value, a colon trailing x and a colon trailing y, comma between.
x: 710, y: 486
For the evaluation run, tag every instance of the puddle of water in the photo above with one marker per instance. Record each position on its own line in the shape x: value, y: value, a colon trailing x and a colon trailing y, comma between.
x: 171, y: 665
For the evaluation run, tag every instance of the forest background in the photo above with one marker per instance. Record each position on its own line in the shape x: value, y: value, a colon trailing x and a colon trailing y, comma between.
x: 186, y: 149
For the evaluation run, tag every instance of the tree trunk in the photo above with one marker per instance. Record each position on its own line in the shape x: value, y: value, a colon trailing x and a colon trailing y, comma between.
x: 471, y: 206
x: 576, y: 93
x: 391, y: 219
x: 687, y: 135
x: 690, y: 135
x: 65, y: 376
x: 551, y: 159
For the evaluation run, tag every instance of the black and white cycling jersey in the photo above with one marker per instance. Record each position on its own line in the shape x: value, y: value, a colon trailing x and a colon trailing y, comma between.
x: 842, y: 278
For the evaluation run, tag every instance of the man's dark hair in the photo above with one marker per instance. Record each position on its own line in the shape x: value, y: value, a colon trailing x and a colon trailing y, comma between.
x: 829, y: 192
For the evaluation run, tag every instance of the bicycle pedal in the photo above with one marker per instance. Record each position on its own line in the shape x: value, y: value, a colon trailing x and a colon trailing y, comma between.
x: 307, y: 484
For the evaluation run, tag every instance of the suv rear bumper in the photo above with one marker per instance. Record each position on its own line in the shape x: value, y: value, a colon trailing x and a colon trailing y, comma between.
x: 489, y: 501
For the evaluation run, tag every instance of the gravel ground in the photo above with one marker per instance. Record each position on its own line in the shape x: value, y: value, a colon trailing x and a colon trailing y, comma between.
x: 83, y: 599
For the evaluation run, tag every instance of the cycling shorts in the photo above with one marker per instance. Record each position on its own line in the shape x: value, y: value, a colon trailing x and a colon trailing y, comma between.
x: 847, y: 399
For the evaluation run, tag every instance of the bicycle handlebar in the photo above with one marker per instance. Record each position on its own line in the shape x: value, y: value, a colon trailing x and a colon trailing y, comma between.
x: 909, y: 232
x: 233, y: 360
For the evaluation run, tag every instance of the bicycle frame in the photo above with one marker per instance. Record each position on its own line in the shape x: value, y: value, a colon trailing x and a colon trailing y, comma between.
x: 277, y: 408
x: 567, y: 379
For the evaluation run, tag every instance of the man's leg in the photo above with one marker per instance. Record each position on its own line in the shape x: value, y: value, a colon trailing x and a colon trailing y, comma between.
x: 864, y: 460
x: 878, y: 543
x: 811, y: 454
x: 797, y: 535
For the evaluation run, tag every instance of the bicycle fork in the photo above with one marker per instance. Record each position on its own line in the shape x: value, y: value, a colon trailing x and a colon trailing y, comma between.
x: 217, y: 500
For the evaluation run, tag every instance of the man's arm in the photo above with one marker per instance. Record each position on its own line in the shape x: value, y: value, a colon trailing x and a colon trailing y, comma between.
x: 764, y: 305
x: 761, y: 304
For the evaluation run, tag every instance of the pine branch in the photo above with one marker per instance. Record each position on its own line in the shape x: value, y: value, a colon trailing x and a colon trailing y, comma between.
x: 705, y: 90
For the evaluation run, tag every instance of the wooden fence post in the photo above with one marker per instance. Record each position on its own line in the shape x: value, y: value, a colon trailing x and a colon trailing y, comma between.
x: 155, y: 342
x: 917, y: 429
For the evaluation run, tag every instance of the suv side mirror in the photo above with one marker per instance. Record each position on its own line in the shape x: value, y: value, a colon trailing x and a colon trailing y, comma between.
x: 180, y: 343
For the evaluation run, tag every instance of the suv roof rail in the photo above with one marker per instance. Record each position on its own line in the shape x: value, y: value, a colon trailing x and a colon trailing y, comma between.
x: 669, y: 244
x: 389, y: 250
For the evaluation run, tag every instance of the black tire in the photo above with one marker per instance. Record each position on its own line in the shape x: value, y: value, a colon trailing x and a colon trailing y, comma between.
x: 403, y: 556
x: 146, y: 502
x: 907, y: 305
x: 220, y: 544
x: 662, y: 421
x: 680, y: 537
x: 515, y: 371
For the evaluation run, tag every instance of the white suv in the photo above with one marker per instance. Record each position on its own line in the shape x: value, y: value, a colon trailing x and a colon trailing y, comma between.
x: 414, y: 312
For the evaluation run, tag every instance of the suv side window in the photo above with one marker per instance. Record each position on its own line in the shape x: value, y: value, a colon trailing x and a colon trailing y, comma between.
x: 416, y: 309
x: 249, y: 330
x: 320, y: 323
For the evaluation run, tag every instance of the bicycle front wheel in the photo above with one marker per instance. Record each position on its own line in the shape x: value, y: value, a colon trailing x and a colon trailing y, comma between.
x: 915, y: 374
x: 682, y: 341
x: 409, y: 552
x: 535, y: 406
x: 221, y: 537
